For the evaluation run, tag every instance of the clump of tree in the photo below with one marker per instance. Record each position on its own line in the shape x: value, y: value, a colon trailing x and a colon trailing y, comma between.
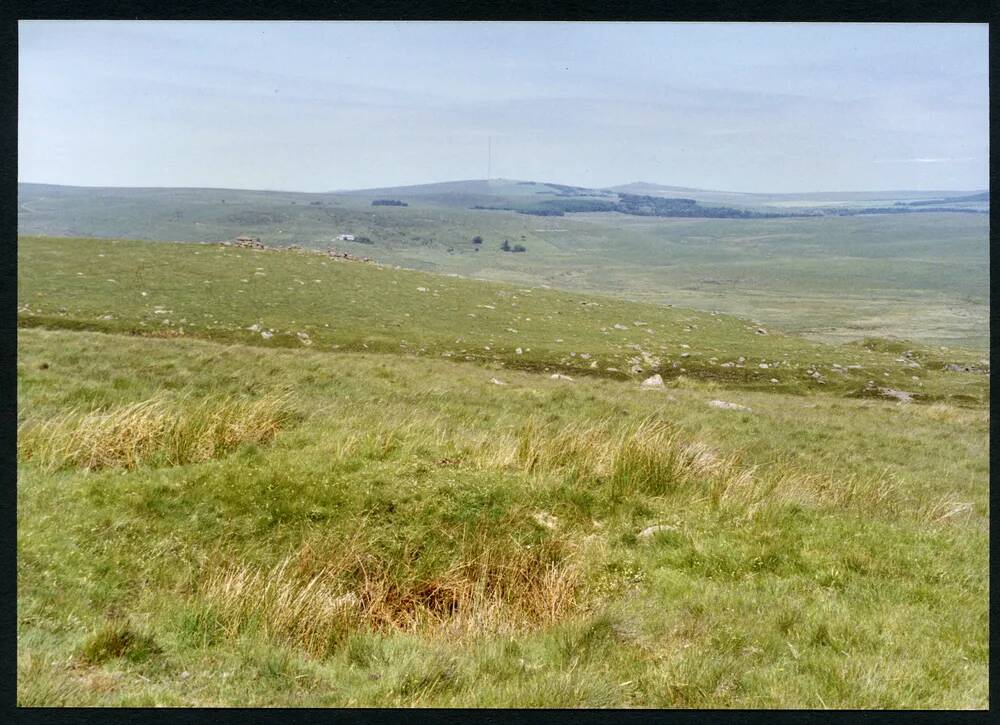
x: 506, y: 247
x: 363, y: 240
x: 639, y: 205
x: 542, y: 212
x: 477, y: 239
x: 389, y: 202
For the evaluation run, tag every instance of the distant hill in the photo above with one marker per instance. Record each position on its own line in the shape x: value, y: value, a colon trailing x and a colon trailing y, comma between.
x: 984, y: 196
x: 423, y: 211
x: 820, y: 198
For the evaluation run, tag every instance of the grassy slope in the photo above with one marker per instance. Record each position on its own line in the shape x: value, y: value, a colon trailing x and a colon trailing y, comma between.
x: 826, y: 550
x: 844, y: 585
x: 219, y: 293
x: 919, y: 276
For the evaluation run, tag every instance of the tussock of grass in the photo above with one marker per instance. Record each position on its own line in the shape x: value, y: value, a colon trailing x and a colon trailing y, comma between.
x: 317, y: 600
x: 647, y: 456
x: 158, y: 431
x: 117, y: 639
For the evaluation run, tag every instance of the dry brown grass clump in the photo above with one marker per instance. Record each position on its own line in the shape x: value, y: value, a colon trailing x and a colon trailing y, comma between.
x: 314, y: 600
x: 159, y: 431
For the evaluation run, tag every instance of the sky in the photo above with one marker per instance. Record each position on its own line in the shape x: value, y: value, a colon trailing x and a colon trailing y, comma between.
x: 322, y: 106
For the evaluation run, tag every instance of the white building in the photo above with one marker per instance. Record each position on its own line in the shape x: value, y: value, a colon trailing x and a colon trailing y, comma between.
x: 345, y: 237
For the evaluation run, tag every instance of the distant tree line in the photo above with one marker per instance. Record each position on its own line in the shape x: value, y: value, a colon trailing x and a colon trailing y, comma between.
x: 636, y: 206
x: 669, y: 207
x: 389, y: 202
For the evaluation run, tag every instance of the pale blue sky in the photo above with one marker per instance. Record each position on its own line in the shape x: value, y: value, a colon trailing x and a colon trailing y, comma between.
x: 318, y: 106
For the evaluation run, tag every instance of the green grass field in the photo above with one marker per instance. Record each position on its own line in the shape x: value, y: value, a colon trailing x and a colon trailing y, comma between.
x: 274, y: 478
x: 919, y: 277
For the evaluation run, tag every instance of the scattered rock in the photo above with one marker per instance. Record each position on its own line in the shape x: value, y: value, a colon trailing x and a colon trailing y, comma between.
x: 654, y: 381
x: 545, y: 519
x: 774, y: 380
x: 650, y: 531
x: 518, y: 351
x: 422, y: 289
x: 761, y: 331
x: 953, y: 368
x: 560, y: 376
x: 346, y: 601
x: 873, y: 391
x: 619, y: 326
x: 901, y: 395
x: 723, y: 405
x: 266, y: 335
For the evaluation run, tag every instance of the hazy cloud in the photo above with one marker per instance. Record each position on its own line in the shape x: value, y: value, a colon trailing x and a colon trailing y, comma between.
x: 319, y: 106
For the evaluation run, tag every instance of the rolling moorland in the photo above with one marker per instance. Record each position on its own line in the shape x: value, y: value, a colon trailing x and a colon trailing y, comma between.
x: 916, y: 275
x: 300, y: 480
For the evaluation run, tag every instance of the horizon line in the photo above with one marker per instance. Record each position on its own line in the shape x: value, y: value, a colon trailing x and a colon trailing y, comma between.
x: 459, y: 181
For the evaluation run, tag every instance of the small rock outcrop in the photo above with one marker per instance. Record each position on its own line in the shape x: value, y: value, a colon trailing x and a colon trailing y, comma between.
x: 901, y: 395
x: 543, y: 518
x: 654, y: 381
x: 723, y: 405
x: 650, y: 531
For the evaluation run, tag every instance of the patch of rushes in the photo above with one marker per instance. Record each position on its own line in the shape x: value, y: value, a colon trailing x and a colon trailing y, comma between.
x: 159, y: 431
x: 649, y: 457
